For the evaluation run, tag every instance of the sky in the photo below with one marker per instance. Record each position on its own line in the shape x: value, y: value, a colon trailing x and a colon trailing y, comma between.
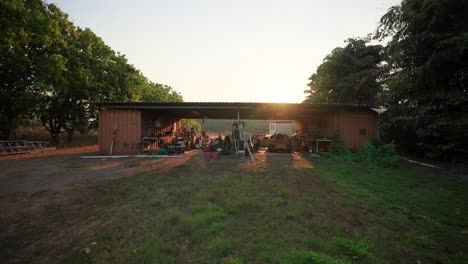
x: 228, y: 51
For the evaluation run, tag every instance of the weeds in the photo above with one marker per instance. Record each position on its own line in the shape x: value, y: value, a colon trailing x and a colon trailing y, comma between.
x: 313, y: 243
x: 290, y: 215
x: 358, y: 246
x: 220, y: 246
x: 233, y: 197
x: 178, y: 223
x: 306, y: 257
x: 207, y: 214
x: 384, y: 155
x: 233, y: 261
x: 155, y: 253
x: 369, y: 154
x: 215, y: 227
x: 339, y: 147
x: 418, y: 240
x: 276, y: 202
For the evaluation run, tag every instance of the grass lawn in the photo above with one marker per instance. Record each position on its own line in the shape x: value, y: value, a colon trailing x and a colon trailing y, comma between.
x: 282, y: 209
x: 413, y: 213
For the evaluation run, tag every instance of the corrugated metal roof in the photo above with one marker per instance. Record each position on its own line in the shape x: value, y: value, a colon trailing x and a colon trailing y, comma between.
x: 115, y: 103
x: 229, y: 110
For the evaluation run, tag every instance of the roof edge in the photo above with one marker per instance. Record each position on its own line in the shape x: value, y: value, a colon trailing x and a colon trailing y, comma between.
x: 168, y: 105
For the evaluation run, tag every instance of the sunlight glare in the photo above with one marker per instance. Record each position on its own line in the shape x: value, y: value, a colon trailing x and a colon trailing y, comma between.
x: 279, y: 92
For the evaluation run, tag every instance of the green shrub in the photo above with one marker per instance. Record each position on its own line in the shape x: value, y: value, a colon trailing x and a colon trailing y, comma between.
x: 366, y: 154
x: 373, y: 155
x: 339, y: 146
x: 387, y: 156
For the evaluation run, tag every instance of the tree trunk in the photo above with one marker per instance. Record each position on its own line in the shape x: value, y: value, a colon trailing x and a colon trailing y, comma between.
x: 5, y: 134
x: 70, y: 136
x: 55, y: 140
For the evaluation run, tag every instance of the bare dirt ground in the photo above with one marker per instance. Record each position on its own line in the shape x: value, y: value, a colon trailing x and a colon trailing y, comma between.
x: 41, y: 199
x: 55, y: 152
x: 63, y: 168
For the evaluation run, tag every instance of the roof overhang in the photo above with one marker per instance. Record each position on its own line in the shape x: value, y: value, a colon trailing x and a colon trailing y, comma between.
x: 229, y: 110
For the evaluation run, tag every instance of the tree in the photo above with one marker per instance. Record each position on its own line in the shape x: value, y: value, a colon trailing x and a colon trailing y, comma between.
x: 156, y: 92
x: 427, y: 56
x: 191, y: 123
x: 56, y: 72
x: 349, y: 75
x: 52, y: 84
x: 24, y: 32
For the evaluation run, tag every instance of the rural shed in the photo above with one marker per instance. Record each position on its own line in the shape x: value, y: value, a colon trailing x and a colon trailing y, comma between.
x: 131, y: 121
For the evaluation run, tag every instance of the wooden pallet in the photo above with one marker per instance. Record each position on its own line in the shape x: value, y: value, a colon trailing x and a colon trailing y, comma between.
x: 10, y: 147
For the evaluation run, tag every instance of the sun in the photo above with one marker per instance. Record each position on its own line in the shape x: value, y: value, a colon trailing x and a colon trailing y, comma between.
x: 279, y: 92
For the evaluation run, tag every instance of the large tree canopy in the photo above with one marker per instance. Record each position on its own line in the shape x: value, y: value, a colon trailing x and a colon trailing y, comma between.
x: 24, y: 32
x: 427, y: 57
x: 55, y: 72
x: 420, y: 76
x: 348, y: 75
x: 160, y: 92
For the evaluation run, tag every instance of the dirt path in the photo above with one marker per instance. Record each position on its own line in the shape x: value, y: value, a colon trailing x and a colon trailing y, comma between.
x: 63, y: 168
x: 52, y: 152
x: 37, y: 174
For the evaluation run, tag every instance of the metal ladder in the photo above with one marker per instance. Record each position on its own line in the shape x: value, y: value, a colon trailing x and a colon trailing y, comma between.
x: 244, y: 138
x: 10, y: 147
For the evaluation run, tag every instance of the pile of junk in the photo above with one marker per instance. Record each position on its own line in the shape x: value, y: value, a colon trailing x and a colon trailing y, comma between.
x: 246, y: 144
x: 214, y: 148
x: 171, y: 143
x: 237, y: 142
x: 249, y: 143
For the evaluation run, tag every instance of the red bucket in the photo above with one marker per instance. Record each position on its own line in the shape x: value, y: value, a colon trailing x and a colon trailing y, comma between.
x: 207, y: 156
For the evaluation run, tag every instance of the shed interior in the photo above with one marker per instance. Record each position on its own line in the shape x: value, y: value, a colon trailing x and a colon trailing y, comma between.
x: 135, y: 120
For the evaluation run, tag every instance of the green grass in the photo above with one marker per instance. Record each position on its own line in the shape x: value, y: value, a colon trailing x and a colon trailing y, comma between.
x: 415, y: 210
x: 208, y: 215
x: 277, y: 201
x: 306, y: 257
x: 220, y: 246
x: 358, y: 247
x: 233, y: 261
x: 329, y: 212
x: 419, y: 240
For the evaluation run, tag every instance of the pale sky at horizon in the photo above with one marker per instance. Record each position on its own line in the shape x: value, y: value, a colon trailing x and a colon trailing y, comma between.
x: 230, y: 51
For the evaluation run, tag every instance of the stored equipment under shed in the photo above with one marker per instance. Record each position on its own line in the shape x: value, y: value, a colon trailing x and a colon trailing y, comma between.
x: 123, y: 125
